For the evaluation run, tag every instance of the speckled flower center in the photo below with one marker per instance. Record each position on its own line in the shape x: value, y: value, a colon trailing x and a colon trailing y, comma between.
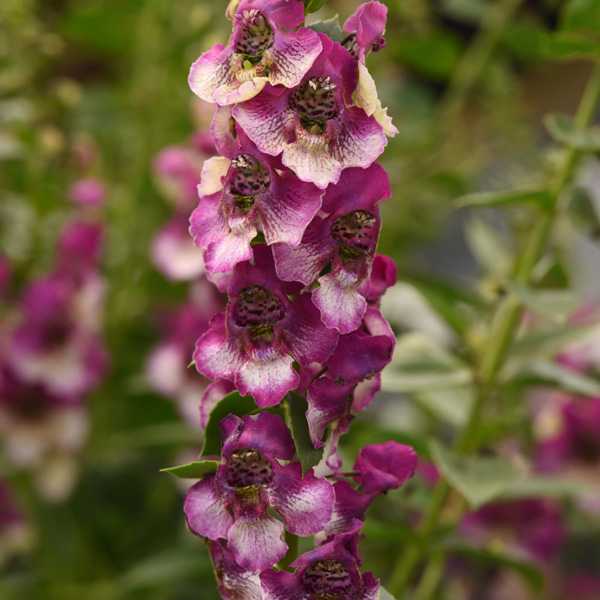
x: 355, y: 232
x: 328, y: 580
x: 315, y: 103
x: 250, y: 178
x: 351, y: 45
x: 258, y: 309
x: 255, y: 36
x: 248, y: 468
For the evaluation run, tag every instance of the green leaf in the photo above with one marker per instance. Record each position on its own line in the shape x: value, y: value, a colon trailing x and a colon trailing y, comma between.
x: 478, y: 479
x: 311, y: 6
x: 330, y: 27
x: 528, y: 571
x: 505, y: 198
x: 562, y: 129
x: 564, y: 44
x: 451, y: 405
x: 193, y: 470
x: 581, y: 14
x: 555, y: 487
x: 548, y: 343
x: 583, y: 213
x: 309, y: 455
x: 551, y: 374
x: 234, y: 404
x: 384, y: 594
x: 488, y: 247
x: 555, y: 305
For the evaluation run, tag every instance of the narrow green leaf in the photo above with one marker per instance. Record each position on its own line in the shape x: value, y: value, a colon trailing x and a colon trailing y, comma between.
x: 450, y: 405
x: 309, y: 455
x: 505, y: 198
x: 563, y: 130
x: 193, y: 470
x: 478, y: 479
x: 581, y: 14
x: 488, y: 247
x: 556, y: 487
x: 312, y: 6
x: 583, y: 213
x: 555, y: 305
x: 232, y: 404
x: 548, y: 343
x: 564, y: 44
x: 528, y: 571
x: 552, y: 374
x: 330, y: 27
x: 384, y: 594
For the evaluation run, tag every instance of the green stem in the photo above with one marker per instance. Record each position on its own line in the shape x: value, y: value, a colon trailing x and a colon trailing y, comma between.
x: 504, y: 325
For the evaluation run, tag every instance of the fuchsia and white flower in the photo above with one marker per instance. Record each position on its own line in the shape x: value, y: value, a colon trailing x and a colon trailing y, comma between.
x: 88, y: 192
x: 232, y: 504
x: 345, y: 240
x: 245, y: 192
x: 316, y: 125
x: 263, y: 48
x: 329, y: 571
x: 255, y: 342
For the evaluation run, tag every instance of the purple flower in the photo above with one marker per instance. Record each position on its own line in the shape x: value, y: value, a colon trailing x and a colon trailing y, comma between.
x: 174, y: 253
x: 384, y: 467
x: 251, y: 191
x: 366, y: 28
x: 88, y: 192
x: 232, y: 504
x: 235, y: 582
x: 50, y: 347
x: 345, y: 240
x: 214, y: 393
x: 358, y: 358
x: 35, y: 422
x: 315, y: 125
x: 255, y: 342
x: 261, y: 49
x: 533, y: 525
x: 79, y: 248
x: 578, y: 442
x: 167, y: 366
x: 329, y: 571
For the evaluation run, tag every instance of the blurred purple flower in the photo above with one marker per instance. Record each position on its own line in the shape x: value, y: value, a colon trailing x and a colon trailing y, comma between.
x: 88, y: 192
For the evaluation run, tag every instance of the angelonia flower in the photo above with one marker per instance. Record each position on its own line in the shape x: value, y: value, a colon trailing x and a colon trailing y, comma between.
x: 52, y: 356
x: 287, y: 226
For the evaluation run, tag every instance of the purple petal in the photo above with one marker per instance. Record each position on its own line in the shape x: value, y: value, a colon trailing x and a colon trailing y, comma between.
x: 372, y: 587
x: 304, y: 503
x: 383, y: 275
x: 281, y: 585
x: 266, y: 119
x: 214, y: 393
x: 341, y: 306
x: 205, y: 510
x: 365, y: 391
x: 292, y: 55
x: 360, y: 139
x: 304, y: 262
x: 257, y: 544
x: 288, y: 209
x: 214, y: 171
x: 231, y: 247
x: 368, y: 22
x: 222, y: 130
x: 308, y: 339
x: 385, y: 466
x: 264, y: 432
x: 280, y: 13
x: 327, y: 402
x: 206, y: 224
x: 267, y: 376
x: 349, y: 505
x: 215, y: 355
x: 88, y: 192
x: 211, y: 72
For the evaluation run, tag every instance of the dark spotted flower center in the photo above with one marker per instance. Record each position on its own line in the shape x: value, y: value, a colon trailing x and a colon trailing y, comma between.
x: 350, y: 44
x: 248, y: 468
x: 250, y: 178
x: 315, y: 103
x: 255, y: 36
x: 355, y: 232
x: 258, y: 309
x: 328, y: 580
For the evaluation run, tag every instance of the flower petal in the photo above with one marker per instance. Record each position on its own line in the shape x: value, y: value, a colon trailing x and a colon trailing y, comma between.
x: 205, y: 510
x: 281, y: 585
x: 213, y: 70
x: 257, y: 544
x: 214, y: 171
x: 304, y: 503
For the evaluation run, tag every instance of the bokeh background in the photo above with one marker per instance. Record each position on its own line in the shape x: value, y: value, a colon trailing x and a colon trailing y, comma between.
x: 95, y: 91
